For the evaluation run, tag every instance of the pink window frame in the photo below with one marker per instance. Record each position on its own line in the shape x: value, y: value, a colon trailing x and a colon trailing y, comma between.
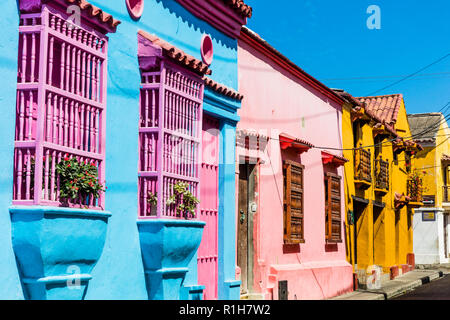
x: 61, y: 104
x: 179, y: 118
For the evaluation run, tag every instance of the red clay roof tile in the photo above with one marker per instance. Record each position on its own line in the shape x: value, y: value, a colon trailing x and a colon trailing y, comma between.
x: 384, y: 107
x: 94, y: 11
x: 177, y: 55
x: 372, y: 114
x: 239, y: 7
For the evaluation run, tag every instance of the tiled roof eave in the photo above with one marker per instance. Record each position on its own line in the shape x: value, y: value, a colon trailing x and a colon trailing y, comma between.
x: 222, y: 89
x: 93, y: 11
x: 177, y: 55
x: 385, y: 107
x: 239, y: 7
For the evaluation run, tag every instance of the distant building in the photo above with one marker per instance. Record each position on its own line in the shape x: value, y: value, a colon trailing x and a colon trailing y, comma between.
x: 431, y: 221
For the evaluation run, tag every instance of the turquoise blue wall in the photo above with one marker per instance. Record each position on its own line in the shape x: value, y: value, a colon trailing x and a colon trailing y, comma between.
x: 10, y: 287
x: 119, y: 273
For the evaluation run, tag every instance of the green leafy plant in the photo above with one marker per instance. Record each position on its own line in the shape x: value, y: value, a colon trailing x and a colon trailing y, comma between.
x: 185, y: 201
x: 78, y: 179
x: 152, y: 198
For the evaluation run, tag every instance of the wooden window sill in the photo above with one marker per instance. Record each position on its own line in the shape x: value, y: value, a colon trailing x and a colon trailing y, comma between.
x: 333, y: 241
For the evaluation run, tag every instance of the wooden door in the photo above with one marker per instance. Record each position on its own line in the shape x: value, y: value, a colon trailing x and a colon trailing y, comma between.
x: 242, y: 229
x: 207, y: 262
x: 358, y: 211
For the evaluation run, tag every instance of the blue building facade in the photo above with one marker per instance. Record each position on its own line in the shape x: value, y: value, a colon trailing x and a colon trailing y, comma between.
x: 109, y: 248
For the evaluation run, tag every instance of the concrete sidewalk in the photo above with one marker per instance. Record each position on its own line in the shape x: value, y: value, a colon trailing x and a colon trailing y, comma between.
x: 394, y: 288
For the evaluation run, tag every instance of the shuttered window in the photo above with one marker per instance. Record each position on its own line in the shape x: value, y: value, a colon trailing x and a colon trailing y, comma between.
x: 293, y: 202
x: 333, y: 207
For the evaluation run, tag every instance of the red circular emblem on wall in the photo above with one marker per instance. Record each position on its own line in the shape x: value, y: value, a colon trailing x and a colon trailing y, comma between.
x: 207, y: 49
x: 135, y: 8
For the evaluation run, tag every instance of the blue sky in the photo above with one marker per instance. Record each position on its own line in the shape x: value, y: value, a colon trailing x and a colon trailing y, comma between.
x: 330, y: 40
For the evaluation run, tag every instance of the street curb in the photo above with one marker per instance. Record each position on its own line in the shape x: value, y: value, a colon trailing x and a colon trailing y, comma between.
x: 396, y: 289
x: 407, y: 287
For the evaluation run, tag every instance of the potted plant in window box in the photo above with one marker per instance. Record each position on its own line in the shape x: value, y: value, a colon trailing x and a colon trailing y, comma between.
x: 78, y: 182
x: 185, y: 202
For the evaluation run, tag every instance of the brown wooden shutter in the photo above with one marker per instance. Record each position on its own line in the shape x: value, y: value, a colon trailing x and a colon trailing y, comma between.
x: 293, y: 202
x: 333, y: 207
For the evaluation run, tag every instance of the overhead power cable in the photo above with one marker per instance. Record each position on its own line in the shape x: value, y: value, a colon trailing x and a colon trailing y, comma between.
x: 386, y: 77
x: 410, y: 76
x: 445, y: 118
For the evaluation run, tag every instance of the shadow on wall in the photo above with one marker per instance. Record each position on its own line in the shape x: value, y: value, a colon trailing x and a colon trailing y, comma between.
x: 201, y: 25
x: 424, y: 153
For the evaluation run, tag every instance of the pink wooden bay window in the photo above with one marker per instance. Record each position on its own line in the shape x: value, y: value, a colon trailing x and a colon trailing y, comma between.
x: 171, y: 100
x: 61, y: 101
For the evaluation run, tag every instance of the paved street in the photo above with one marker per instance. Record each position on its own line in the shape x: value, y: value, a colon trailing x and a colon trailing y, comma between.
x: 435, y: 290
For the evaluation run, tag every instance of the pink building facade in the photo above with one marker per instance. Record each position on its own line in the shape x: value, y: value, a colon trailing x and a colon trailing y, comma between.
x: 290, y: 203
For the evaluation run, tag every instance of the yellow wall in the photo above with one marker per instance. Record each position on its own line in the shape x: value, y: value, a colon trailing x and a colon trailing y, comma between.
x: 428, y: 162
x: 403, y: 230
x: 442, y: 147
x: 384, y: 236
x: 347, y: 142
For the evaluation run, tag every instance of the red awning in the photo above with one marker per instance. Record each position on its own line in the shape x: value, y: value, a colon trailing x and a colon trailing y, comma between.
x: 287, y: 141
x: 333, y: 159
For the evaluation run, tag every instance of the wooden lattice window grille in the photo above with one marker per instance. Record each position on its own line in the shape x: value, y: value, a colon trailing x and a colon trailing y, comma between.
x: 61, y: 102
x: 333, y: 207
x: 363, y: 167
x: 293, y: 202
x: 170, y: 128
x: 381, y: 174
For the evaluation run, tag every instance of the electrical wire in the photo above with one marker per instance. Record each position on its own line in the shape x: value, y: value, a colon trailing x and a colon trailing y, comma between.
x: 410, y: 76
x: 385, y: 77
x: 447, y: 117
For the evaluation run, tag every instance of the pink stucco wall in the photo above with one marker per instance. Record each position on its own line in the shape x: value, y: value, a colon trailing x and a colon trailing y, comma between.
x: 276, y: 102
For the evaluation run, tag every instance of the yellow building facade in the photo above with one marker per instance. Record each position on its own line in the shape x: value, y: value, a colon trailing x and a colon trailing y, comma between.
x: 377, y: 141
x: 431, y: 222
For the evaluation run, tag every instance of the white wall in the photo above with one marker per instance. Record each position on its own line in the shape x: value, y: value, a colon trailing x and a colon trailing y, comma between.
x: 428, y: 244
